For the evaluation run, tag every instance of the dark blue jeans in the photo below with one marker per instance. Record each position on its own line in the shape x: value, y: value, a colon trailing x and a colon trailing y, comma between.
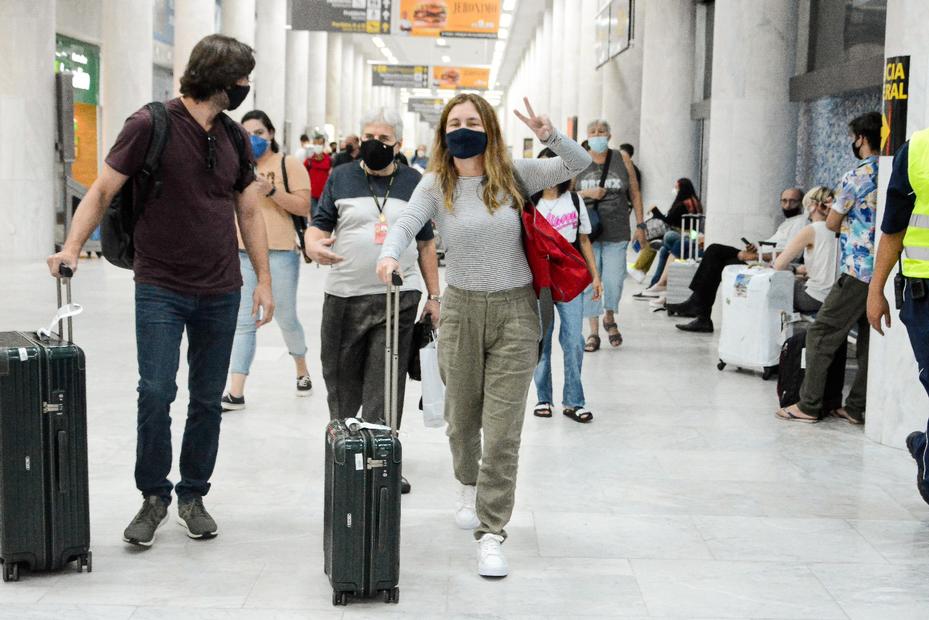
x: 162, y: 316
x: 915, y: 315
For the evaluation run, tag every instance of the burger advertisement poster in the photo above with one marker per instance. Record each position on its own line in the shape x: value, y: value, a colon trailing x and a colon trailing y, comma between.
x: 450, y: 18
x: 476, y: 78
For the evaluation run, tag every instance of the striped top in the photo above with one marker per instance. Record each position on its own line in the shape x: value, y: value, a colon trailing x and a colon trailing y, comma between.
x: 483, y: 251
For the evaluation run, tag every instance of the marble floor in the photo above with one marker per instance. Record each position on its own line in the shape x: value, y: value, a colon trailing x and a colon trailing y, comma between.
x: 686, y: 498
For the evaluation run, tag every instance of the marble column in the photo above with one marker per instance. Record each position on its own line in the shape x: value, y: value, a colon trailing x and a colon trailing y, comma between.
x: 667, y: 148
x: 238, y: 22
x: 269, y: 78
x: 753, y: 128
x: 298, y: 56
x: 570, y: 71
x: 193, y: 20
x: 621, y: 103
x: 126, y: 63
x: 27, y: 98
x: 590, y: 80
x: 358, y: 90
x: 556, y: 67
x: 335, y: 84
x: 897, y: 402
x: 367, y: 96
x: 317, y: 84
x: 348, y: 87
x: 542, y: 93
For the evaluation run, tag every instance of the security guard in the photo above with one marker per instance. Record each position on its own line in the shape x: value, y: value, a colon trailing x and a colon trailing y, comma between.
x: 906, y: 232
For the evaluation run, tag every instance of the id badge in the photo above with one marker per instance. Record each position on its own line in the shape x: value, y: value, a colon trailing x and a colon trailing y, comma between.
x: 380, y: 233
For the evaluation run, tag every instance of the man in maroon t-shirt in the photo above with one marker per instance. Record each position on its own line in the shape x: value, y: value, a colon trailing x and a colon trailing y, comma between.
x: 186, y: 272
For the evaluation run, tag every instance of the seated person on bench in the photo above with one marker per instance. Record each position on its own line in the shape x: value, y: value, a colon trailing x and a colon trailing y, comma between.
x: 717, y: 257
x: 818, y: 246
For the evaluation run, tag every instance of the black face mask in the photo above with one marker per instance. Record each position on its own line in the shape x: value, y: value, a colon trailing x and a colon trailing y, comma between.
x: 856, y: 149
x: 465, y: 143
x: 793, y: 212
x: 349, y: 148
x: 237, y: 95
x: 376, y: 155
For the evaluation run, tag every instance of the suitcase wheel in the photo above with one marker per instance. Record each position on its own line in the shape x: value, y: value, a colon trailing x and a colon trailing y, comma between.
x: 339, y: 598
x: 392, y: 595
x: 85, y: 562
x: 769, y: 372
x: 721, y: 365
x: 10, y: 571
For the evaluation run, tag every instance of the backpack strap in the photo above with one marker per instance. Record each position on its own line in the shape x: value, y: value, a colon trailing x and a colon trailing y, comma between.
x: 148, y: 176
x: 235, y: 134
x: 577, y: 207
x: 284, y: 173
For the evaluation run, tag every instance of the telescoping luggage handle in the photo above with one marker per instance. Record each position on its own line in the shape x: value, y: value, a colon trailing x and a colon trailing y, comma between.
x: 690, y: 241
x: 65, y: 311
x: 767, y: 244
x: 392, y: 356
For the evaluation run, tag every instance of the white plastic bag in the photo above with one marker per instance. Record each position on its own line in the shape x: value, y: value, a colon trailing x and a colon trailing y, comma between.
x: 433, y: 388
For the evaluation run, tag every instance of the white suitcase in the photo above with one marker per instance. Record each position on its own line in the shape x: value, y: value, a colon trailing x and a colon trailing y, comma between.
x: 756, y: 300
x: 682, y: 270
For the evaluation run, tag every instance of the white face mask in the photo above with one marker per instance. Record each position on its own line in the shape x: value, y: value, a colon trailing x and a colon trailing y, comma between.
x: 674, y: 193
x: 317, y: 149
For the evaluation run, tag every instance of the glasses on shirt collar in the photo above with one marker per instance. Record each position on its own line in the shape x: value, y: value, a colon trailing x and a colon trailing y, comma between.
x: 210, y: 152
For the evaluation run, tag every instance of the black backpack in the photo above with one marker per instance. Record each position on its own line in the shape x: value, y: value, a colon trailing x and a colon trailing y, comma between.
x: 117, y: 227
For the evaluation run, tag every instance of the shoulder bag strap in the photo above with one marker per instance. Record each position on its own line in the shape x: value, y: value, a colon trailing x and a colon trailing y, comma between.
x: 235, y: 134
x: 604, y: 175
x: 284, y: 173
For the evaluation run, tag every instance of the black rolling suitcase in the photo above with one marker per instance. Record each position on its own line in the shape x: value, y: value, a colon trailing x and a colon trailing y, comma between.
x: 44, y: 516
x: 792, y: 369
x: 361, y: 537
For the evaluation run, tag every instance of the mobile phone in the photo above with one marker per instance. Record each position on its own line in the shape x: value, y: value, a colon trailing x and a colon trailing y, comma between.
x: 746, y: 242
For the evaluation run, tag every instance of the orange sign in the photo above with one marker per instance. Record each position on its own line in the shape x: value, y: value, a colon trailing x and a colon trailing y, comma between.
x: 454, y: 78
x: 450, y: 18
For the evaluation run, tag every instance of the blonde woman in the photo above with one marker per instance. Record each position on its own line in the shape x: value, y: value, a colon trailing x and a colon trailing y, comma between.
x: 490, y: 329
x: 818, y: 245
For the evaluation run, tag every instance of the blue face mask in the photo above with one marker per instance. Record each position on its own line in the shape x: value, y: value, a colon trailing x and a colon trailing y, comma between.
x: 599, y: 144
x: 465, y: 143
x: 259, y: 145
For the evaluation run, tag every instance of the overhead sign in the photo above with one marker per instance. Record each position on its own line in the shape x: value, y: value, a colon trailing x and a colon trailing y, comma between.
x: 82, y: 60
x: 621, y: 13
x: 400, y: 76
x: 429, y: 109
x: 477, y: 78
x: 450, y: 18
x: 896, y: 96
x: 362, y: 16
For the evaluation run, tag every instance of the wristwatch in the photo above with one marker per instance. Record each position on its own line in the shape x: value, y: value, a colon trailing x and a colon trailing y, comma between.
x: 642, y: 226
x: 271, y: 193
x: 436, y: 298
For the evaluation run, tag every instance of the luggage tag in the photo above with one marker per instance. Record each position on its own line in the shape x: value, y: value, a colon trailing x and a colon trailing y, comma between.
x: 66, y: 311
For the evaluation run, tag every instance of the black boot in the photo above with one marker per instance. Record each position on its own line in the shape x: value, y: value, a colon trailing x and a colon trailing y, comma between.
x: 700, y: 325
x: 687, y: 309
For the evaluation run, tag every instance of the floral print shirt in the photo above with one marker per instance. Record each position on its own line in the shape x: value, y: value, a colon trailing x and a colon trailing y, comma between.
x: 856, y: 198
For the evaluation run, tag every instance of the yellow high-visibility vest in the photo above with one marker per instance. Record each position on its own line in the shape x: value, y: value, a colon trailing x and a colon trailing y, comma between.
x: 916, y: 240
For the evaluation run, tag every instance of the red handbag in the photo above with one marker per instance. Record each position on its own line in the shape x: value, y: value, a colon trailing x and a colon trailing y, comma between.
x: 556, y: 264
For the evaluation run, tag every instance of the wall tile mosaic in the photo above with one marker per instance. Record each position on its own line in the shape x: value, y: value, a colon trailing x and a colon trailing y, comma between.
x: 824, y: 152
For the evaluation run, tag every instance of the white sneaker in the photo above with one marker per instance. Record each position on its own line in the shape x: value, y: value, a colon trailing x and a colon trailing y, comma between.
x: 491, y: 561
x: 658, y: 302
x: 466, y: 515
x: 638, y: 275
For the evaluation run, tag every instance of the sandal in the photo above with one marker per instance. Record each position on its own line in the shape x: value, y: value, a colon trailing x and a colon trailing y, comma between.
x: 542, y: 410
x: 612, y: 330
x: 580, y: 414
x: 592, y: 344
x: 784, y: 413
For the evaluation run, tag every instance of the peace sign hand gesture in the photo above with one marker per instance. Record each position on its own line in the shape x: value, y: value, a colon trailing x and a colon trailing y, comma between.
x: 541, y: 126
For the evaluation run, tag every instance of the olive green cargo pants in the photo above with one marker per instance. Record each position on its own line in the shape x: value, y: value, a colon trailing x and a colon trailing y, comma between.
x: 488, y: 349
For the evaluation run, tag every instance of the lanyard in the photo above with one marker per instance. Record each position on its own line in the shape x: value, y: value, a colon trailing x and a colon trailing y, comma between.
x: 380, y: 206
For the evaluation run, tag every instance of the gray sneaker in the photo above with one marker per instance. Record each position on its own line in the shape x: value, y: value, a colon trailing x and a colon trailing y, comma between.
x: 151, y: 516
x: 195, y: 519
